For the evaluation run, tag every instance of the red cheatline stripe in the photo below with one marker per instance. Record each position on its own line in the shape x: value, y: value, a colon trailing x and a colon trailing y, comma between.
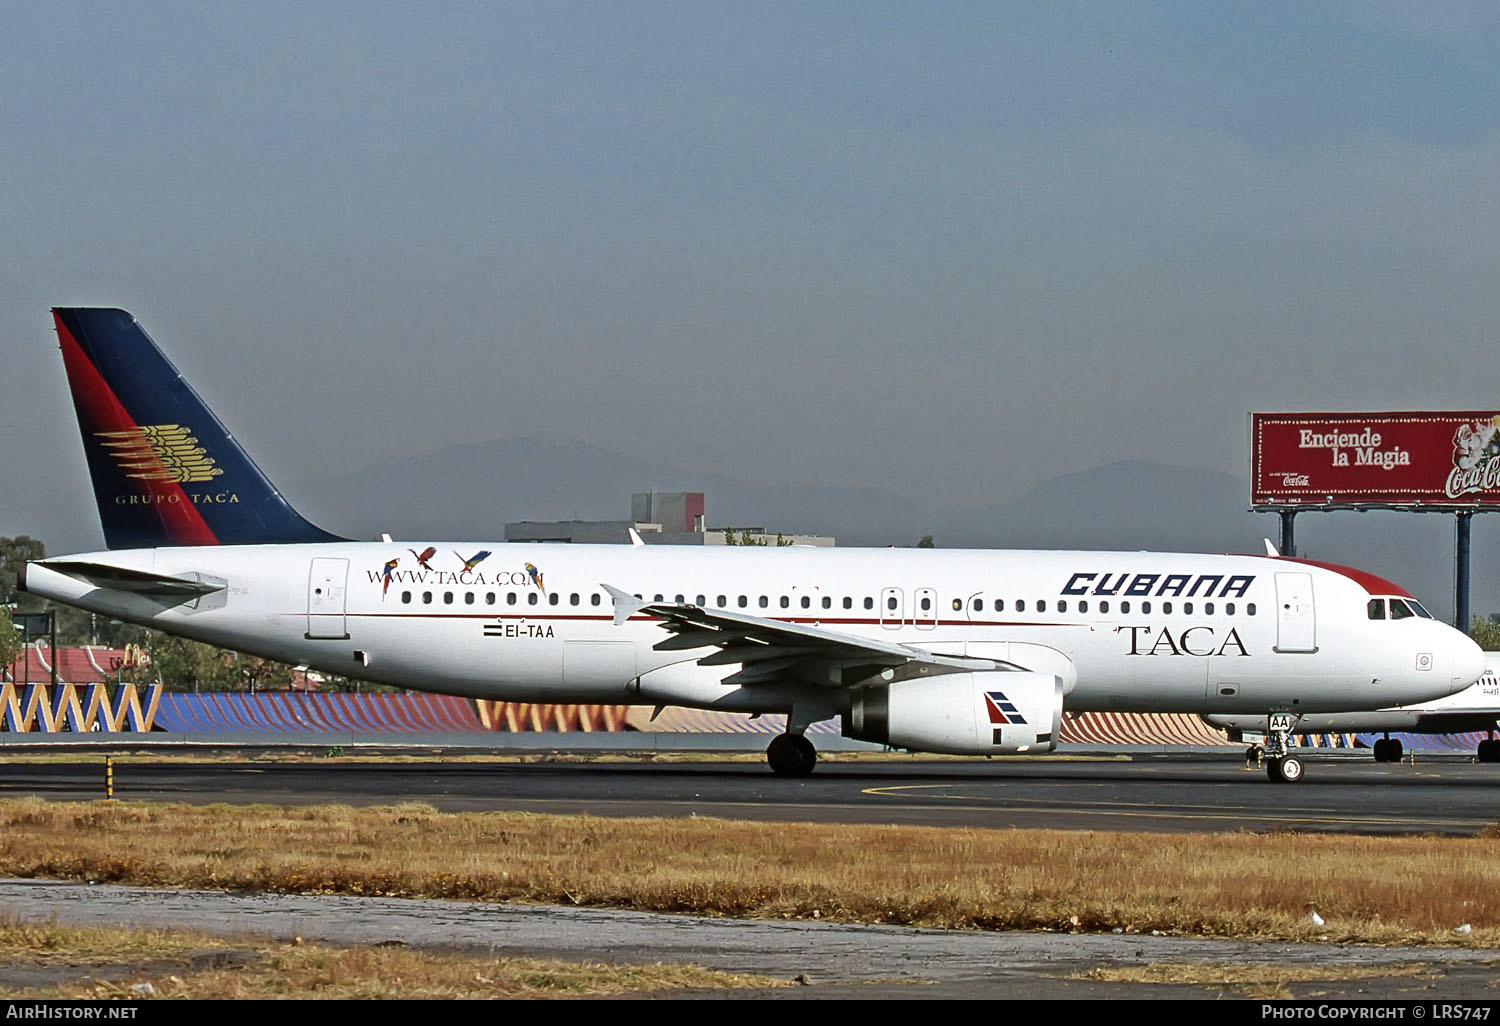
x: 93, y: 396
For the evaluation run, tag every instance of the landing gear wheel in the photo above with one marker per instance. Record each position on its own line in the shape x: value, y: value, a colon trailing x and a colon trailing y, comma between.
x: 1286, y: 770
x: 1253, y: 754
x: 1489, y: 751
x: 791, y: 755
x: 1381, y: 750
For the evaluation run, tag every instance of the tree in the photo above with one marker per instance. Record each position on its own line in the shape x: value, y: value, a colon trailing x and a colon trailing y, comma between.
x: 10, y: 638
x: 74, y: 626
x: 926, y: 542
x: 1486, y: 632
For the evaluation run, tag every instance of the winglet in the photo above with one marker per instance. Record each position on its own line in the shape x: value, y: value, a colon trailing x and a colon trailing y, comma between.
x: 1271, y: 549
x: 626, y: 604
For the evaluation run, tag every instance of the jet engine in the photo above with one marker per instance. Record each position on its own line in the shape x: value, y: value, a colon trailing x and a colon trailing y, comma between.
x: 987, y: 712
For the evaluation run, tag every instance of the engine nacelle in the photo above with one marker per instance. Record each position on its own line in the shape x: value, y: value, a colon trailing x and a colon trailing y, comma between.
x: 988, y: 712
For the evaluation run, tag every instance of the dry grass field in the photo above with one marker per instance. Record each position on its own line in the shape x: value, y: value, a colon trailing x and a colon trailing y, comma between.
x: 1382, y: 890
x: 46, y: 961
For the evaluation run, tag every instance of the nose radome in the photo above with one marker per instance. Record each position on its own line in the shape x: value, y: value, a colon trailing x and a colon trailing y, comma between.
x: 1468, y: 660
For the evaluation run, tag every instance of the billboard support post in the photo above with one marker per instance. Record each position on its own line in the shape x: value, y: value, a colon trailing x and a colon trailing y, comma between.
x: 1461, y: 578
x: 1288, y: 537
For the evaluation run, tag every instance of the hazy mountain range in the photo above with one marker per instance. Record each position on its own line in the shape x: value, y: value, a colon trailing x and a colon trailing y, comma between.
x: 469, y: 492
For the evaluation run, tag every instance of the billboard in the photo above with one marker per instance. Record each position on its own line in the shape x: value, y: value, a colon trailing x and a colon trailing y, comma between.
x: 1421, y: 460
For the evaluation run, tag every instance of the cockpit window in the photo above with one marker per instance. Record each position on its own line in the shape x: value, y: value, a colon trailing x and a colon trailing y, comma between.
x: 1417, y: 608
x: 1400, y: 610
x: 1377, y: 609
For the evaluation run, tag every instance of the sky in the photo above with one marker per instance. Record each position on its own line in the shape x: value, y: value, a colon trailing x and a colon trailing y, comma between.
x: 950, y: 249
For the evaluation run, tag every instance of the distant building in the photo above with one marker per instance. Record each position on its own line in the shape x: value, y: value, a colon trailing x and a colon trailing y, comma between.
x: 660, y: 518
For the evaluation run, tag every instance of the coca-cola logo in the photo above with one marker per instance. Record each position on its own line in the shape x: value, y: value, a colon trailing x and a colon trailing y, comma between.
x: 1476, y: 458
x: 1294, y: 480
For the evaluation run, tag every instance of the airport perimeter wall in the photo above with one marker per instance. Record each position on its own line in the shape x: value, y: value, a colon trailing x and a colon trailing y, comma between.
x: 36, y: 710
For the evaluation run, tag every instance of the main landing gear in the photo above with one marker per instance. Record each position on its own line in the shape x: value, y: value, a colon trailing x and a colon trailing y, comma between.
x: 791, y: 755
x: 1281, y: 766
x: 1387, y: 750
x: 1489, y: 749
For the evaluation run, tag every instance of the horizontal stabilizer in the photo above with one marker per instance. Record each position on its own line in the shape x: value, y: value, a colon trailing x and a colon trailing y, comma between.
x: 115, y: 578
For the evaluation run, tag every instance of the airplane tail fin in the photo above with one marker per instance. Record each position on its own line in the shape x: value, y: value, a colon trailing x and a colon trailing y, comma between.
x: 165, y: 470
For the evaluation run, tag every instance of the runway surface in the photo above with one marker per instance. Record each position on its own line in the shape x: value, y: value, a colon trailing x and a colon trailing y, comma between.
x: 1164, y: 792
x: 1161, y: 792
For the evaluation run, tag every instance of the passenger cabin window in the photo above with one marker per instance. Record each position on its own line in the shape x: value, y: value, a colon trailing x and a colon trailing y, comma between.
x: 1083, y: 605
x: 447, y: 598
x: 1376, y: 609
x: 1020, y: 605
x: 468, y: 598
x: 594, y: 599
x: 999, y: 605
x: 827, y: 602
x: 406, y: 596
x: 785, y: 602
x: 489, y: 598
x: 764, y: 602
x: 531, y: 598
x: 869, y: 603
x: 806, y: 601
x: 573, y: 599
x: 554, y: 598
x: 510, y: 598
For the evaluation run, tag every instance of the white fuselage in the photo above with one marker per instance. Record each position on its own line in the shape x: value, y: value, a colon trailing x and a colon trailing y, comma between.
x: 1476, y: 708
x: 1143, y: 632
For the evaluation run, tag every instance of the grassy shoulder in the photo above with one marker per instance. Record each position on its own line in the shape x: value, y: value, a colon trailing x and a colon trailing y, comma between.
x: 47, y: 961
x: 1381, y: 890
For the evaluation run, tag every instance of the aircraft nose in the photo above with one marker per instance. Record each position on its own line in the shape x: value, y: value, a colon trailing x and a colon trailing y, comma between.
x: 1466, y: 660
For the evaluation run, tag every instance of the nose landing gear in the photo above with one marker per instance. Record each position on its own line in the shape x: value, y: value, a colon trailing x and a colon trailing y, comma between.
x: 1281, y: 766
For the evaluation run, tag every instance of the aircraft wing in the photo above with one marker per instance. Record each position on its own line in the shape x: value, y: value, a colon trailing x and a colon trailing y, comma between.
x: 766, y: 650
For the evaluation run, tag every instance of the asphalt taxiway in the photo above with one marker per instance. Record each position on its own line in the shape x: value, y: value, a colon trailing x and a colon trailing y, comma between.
x: 1163, y: 791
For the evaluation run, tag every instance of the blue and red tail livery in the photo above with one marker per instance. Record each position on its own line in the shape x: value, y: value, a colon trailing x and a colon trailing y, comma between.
x: 165, y: 470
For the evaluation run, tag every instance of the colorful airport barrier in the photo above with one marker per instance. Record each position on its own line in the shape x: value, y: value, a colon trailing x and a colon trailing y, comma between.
x: 302, y: 713
x: 519, y: 717
x: 77, y: 708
